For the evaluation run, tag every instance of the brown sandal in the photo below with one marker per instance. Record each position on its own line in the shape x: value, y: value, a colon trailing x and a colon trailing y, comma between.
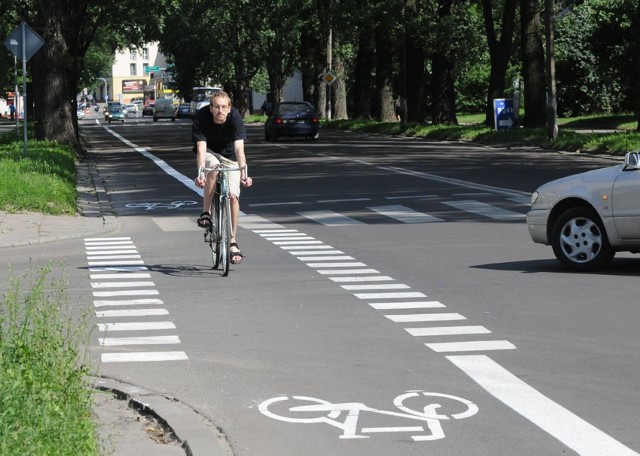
x: 236, y: 257
x: 204, y: 221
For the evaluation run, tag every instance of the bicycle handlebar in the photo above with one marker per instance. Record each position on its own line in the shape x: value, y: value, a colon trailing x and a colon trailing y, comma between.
x: 223, y: 168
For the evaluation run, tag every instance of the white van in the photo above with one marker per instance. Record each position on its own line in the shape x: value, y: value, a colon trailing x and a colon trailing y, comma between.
x: 164, y: 108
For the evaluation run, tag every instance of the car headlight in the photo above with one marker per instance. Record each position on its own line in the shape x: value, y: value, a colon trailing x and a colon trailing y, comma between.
x: 534, y: 197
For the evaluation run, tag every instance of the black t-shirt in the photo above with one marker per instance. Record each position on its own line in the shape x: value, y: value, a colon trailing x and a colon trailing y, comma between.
x: 219, y: 137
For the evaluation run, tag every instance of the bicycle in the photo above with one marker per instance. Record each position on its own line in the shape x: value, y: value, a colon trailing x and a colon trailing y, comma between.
x: 218, y: 234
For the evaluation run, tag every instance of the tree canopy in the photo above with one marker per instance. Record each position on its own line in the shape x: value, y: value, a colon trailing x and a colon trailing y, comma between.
x: 438, y: 56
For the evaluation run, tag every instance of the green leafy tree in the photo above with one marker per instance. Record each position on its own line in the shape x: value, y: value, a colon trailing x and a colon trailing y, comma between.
x: 69, y: 29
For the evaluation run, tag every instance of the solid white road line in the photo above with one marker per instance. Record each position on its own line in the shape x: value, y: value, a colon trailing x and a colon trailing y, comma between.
x: 136, y: 326
x: 447, y: 330
x: 106, y: 294
x: 153, y: 340
x: 348, y: 271
x: 143, y: 356
x: 361, y: 279
x: 406, y: 305
x: 412, y: 318
x: 486, y: 210
x: 122, y: 284
x: 131, y: 313
x: 548, y: 415
x: 397, y: 295
x: 405, y: 214
x: 127, y: 302
x: 483, y: 345
x: 329, y: 218
x: 122, y: 275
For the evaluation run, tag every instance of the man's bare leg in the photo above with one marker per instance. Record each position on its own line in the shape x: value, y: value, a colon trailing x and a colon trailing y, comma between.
x: 235, y: 217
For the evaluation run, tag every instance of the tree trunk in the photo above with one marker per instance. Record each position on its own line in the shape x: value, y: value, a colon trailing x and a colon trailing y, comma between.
x: 535, y: 109
x: 443, y: 92
x: 499, y: 51
x: 339, y: 88
x: 364, y: 64
x: 308, y: 67
x: 415, y: 59
x: 384, y: 74
x: 53, y: 87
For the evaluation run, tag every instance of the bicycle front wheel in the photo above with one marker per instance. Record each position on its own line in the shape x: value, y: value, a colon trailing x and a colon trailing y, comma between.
x: 214, y: 235
x: 225, y: 236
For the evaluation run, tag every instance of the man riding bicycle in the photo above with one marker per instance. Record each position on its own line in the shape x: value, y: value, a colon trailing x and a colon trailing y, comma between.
x: 219, y: 134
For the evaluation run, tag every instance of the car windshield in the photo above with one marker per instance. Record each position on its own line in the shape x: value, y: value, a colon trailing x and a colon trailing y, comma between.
x: 291, y: 108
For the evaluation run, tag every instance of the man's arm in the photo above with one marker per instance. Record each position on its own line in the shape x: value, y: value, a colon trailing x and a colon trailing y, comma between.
x: 238, y: 146
x: 201, y: 151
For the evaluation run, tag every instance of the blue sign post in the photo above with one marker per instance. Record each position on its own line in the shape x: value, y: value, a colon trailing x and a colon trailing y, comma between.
x: 505, y: 115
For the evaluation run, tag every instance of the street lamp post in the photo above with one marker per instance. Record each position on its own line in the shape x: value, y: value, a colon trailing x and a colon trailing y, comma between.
x: 106, y: 89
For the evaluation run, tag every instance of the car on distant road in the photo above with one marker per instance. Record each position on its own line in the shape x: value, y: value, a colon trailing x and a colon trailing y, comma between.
x: 292, y: 119
x: 108, y: 106
x: 148, y: 109
x: 130, y: 110
x: 80, y: 113
x: 184, y: 110
x: 116, y: 113
x: 164, y: 109
x: 590, y: 216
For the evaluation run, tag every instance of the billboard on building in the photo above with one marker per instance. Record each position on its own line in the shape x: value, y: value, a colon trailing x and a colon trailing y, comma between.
x: 133, y: 85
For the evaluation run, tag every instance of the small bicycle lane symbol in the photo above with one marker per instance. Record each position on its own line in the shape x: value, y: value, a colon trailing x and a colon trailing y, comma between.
x: 152, y: 206
x: 345, y: 416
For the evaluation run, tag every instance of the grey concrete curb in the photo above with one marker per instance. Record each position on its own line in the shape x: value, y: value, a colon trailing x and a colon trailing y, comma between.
x: 197, y: 436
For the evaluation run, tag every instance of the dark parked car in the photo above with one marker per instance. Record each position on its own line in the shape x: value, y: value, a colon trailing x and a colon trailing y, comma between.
x: 293, y: 119
x: 148, y: 109
x: 184, y: 110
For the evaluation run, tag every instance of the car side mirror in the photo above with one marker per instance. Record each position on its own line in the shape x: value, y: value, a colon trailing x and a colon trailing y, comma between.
x: 632, y: 160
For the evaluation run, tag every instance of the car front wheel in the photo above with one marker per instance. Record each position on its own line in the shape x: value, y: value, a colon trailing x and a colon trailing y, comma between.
x: 580, y: 242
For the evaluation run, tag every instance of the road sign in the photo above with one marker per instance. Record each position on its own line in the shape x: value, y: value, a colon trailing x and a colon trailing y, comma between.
x: 32, y: 42
x: 151, y: 68
x: 504, y: 113
x: 329, y: 77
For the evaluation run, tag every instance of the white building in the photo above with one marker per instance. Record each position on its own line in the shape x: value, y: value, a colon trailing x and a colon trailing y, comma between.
x: 134, y: 75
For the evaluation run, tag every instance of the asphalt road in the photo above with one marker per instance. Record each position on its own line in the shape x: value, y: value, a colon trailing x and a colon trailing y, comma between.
x: 384, y: 276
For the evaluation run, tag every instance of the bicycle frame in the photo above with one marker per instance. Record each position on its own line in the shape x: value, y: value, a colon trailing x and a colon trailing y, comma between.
x: 218, y: 236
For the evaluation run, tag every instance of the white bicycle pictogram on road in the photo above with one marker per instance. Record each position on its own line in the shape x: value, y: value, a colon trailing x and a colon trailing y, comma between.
x: 152, y: 206
x: 345, y: 416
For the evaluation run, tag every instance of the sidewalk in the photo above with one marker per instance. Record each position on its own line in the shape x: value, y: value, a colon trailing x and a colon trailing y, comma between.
x: 132, y: 421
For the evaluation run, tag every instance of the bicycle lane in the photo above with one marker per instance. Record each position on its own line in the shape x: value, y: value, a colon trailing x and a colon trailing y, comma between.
x: 517, y: 395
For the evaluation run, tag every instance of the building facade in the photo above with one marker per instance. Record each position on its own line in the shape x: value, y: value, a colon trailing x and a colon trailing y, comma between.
x: 137, y: 74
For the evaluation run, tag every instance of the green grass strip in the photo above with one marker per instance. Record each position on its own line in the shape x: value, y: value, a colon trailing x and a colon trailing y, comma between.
x: 45, y: 397
x: 42, y: 181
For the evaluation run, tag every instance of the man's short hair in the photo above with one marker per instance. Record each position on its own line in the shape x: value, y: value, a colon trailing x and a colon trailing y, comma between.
x: 219, y: 94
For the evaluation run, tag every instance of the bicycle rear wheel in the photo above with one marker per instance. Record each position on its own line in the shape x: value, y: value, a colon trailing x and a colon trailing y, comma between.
x: 225, y: 236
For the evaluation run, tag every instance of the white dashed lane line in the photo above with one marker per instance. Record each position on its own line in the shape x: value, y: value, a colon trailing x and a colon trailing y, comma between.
x: 356, y: 277
x: 116, y: 270
x: 540, y: 410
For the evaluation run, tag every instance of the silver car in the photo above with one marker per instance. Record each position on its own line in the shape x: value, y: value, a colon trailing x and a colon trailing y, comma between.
x: 588, y: 217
